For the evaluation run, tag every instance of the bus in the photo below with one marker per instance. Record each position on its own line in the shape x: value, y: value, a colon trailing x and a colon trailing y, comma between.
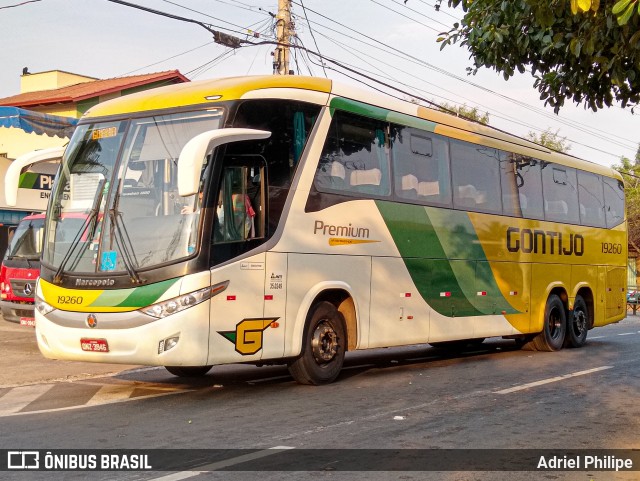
x: 288, y: 220
x: 29, y: 177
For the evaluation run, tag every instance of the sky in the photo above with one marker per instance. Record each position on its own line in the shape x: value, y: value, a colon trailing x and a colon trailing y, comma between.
x: 393, y: 41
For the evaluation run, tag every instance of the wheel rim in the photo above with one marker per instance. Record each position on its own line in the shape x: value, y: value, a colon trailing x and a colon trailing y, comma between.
x: 324, y: 343
x: 579, y: 322
x: 555, y: 323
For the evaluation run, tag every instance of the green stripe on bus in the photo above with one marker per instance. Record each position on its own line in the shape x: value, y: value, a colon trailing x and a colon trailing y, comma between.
x: 459, y: 240
x: 359, y: 108
x: 444, y: 258
x: 378, y: 113
x: 136, y: 297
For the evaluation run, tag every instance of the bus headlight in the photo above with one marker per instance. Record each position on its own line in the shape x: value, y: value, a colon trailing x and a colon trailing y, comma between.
x: 42, y: 306
x: 184, y: 301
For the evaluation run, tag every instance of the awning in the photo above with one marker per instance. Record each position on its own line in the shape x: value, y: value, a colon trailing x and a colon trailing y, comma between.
x: 31, y: 121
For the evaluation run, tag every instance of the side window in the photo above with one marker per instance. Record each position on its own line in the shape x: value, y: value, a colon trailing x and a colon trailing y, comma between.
x: 421, y: 166
x: 355, y: 157
x: 560, y: 194
x: 290, y: 124
x: 591, y: 197
x: 476, y: 177
x: 239, y: 212
x: 508, y: 180
x: 529, y: 183
x: 613, y: 201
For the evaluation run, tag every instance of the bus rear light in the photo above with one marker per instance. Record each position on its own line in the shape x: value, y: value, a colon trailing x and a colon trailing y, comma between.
x: 184, y: 301
x: 167, y: 344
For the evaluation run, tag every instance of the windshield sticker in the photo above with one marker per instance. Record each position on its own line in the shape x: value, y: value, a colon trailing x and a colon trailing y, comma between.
x: 104, y: 133
x: 108, y: 261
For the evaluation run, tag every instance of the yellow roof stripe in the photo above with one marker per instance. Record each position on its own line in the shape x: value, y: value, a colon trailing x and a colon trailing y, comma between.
x: 196, y: 93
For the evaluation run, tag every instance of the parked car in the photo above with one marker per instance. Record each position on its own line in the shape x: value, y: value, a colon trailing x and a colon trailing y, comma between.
x: 20, y: 270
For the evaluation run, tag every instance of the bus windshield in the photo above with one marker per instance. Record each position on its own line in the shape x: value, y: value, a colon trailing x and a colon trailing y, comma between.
x: 27, y: 240
x: 121, y: 178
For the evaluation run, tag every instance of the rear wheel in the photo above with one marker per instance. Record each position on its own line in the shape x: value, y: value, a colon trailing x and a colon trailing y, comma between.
x: 555, y: 326
x: 323, y: 346
x: 578, y: 325
x: 188, y: 371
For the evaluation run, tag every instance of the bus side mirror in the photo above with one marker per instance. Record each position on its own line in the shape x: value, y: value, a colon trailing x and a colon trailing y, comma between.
x: 12, y: 177
x: 194, y: 152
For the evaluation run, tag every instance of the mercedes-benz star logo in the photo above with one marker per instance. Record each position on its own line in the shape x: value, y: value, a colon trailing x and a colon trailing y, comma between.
x: 28, y: 289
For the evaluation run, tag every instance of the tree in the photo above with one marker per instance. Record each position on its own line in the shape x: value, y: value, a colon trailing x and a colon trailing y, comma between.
x: 471, y: 113
x: 550, y: 140
x: 630, y: 171
x: 586, y: 57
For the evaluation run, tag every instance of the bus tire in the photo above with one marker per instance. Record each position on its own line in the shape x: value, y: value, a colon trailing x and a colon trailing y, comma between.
x: 323, y: 346
x: 578, y: 324
x: 555, y: 326
x: 188, y: 371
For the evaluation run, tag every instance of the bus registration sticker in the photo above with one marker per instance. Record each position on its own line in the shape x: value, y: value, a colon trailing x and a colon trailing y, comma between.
x: 94, y: 345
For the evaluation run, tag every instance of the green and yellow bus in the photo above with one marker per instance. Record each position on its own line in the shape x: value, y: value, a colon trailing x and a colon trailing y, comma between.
x: 284, y: 219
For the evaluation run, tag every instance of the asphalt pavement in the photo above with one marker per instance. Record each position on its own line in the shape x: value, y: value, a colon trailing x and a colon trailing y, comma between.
x: 22, y: 364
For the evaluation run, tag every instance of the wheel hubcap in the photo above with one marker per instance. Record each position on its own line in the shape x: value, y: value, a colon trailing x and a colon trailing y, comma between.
x: 555, y: 323
x: 324, y: 343
x: 579, y: 322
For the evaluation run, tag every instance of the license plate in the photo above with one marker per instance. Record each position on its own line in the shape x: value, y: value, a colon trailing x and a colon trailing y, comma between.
x: 28, y: 321
x: 94, y: 345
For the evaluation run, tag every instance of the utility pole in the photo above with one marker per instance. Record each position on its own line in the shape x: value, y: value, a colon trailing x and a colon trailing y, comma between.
x: 284, y: 29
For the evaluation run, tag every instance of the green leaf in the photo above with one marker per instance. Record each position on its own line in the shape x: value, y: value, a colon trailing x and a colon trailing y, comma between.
x: 624, y: 18
x: 620, y: 6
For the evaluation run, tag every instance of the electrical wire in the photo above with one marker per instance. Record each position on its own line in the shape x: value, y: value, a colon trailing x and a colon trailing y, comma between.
x: 597, y: 133
x: 311, y: 31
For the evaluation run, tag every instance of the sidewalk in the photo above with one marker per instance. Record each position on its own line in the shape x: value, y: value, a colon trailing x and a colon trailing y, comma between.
x: 21, y: 362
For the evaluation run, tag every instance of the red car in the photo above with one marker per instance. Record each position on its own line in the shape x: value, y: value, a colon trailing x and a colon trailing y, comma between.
x: 20, y: 269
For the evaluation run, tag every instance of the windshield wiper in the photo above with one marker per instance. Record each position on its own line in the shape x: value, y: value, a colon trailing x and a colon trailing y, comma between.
x: 92, y: 216
x: 123, y: 241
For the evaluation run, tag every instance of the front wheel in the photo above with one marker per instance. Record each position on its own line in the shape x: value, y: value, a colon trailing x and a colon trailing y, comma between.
x: 578, y: 324
x: 555, y: 326
x: 188, y: 371
x: 323, y: 346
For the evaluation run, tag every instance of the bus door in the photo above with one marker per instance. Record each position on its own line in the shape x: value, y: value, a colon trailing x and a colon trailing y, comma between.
x: 240, y: 330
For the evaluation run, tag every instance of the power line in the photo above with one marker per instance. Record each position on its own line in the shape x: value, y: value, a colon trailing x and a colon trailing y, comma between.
x: 404, y: 5
x: 19, y: 4
x: 206, y: 26
x: 168, y: 58
x: 202, y: 13
x: 311, y: 31
x: 412, y: 59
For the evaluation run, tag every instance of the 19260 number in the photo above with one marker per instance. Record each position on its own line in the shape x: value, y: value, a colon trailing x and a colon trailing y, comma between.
x: 611, y: 248
x: 75, y: 300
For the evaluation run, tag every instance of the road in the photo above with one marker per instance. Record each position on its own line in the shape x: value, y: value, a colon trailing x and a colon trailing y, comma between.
x: 494, y: 397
